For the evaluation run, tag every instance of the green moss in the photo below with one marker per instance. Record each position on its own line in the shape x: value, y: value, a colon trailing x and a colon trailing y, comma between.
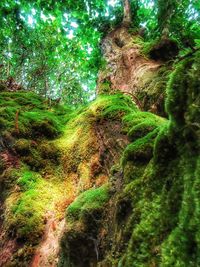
x: 141, y: 130
x: 25, y: 212
x: 83, y: 222
x: 3, y: 124
x: 183, y: 100
x: 41, y: 124
x: 35, y: 119
x: 81, y: 136
x: 49, y: 151
x: 163, y: 191
x: 90, y: 200
x: 28, y: 180
x: 145, y: 46
x: 2, y: 86
x: 22, y: 147
x: 104, y: 87
x: 157, y: 200
x: 141, y: 150
x: 181, y: 247
x: 140, y: 124
x: 119, y: 106
x: 21, y: 98
x: 133, y: 118
x: 109, y: 106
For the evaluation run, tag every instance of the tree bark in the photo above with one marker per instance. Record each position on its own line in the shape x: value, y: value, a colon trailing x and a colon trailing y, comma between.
x: 127, y: 19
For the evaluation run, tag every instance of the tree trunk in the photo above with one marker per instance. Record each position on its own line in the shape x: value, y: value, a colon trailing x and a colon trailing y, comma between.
x: 128, y: 70
x: 127, y: 19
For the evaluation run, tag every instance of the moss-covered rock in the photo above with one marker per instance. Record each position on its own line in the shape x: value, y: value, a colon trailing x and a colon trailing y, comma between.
x: 79, y: 243
x: 141, y: 150
x: 89, y: 201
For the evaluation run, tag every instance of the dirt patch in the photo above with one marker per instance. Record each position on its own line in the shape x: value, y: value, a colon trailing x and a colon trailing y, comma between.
x: 48, y: 250
x: 6, y: 252
x: 7, y: 246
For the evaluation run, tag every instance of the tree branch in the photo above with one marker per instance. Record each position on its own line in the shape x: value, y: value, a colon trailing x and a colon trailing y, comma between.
x: 127, y: 19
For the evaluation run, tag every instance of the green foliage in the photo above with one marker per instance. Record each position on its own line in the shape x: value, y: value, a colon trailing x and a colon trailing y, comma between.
x: 60, y: 56
x: 166, y: 10
x: 179, y: 21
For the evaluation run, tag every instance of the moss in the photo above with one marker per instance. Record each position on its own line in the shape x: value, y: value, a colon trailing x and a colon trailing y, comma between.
x: 22, y: 147
x: 2, y: 166
x: 37, y: 154
x: 39, y: 172
x: 104, y: 87
x: 141, y: 150
x: 156, y: 190
x: 49, y: 151
x: 133, y: 118
x: 145, y: 46
x: 3, y: 124
x: 83, y: 222
x: 21, y: 98
x: 42, y: 124
x: 62, y: 110
x: 81, y: 138
x: 143, y: 123
x: 133, y: 170
x: 88, y: 201
x: 25, y: 213
x: 34, y: 120
x: 181, y: 247
x: 27, y: 180
x: 23, y: 256
x: 119, y: 106
x: 2, y: 86
x: 33, y: 160
x: 158, y: 49
x: 115, y: 169
x: 162, y: 226
x: 141, y: 130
